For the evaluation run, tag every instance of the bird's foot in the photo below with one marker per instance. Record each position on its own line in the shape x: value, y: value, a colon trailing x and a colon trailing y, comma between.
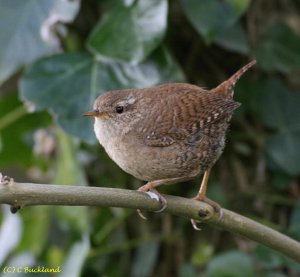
x: 154, y: 194
x: 195, y: 224
x: 215, y: 205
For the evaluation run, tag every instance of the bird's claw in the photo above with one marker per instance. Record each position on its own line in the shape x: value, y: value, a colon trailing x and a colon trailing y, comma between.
x: 141, y: 215
x: 194, y: 224
x: 217, y: 208
x: 154, y: 195
x: 221, y: 214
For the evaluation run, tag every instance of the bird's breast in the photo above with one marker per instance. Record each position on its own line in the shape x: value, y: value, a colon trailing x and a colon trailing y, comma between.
x: 121, y: 146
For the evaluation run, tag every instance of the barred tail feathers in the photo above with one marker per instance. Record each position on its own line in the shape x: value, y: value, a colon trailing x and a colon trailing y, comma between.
x: 226, y: 89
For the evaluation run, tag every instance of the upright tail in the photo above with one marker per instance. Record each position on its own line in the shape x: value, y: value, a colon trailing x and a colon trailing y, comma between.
x: 226, y: 89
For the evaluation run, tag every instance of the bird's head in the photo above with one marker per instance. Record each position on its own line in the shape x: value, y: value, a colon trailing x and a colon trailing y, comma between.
x: 116, y: 107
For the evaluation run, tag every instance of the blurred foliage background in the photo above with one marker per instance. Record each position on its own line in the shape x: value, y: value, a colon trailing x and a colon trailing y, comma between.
x: 56, y: 56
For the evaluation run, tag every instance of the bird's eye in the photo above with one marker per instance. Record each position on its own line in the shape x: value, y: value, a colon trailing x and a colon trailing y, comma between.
x: 119, y: 109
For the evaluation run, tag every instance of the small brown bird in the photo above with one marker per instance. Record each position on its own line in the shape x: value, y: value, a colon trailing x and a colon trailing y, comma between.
x: 166, y: 134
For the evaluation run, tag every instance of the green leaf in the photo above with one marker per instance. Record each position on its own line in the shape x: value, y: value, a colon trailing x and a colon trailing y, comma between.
x: 25, y: 32
x: 17, y: 129
x: 280, y: 106
x: 72, y: 220
x: 36, y: 229
x: 249, y: 93
x: 277, y: 107
x: 284, y: 150
x: 233, y: 38
x: 67, y: 84
x: 279, y: 110
x: 76, y: 257
x: 267, y: 258
x: 130, y: 33
x: 64, y: 84
x: 279, y: 50
x: 70, y: 172
x: 144, y: 259
x: 188, y: 270
x: 270, y: 259
x: 212, y: 17
x: 68, y: 168
x: 231, y: 263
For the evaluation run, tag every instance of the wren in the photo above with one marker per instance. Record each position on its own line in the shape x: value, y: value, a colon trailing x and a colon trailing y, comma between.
x: 166, y: 134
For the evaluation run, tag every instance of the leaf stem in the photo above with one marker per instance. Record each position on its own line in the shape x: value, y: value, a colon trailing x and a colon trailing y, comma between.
x: 12, y: 116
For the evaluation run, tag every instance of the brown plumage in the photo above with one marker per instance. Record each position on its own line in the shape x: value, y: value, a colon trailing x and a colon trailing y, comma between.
x: 168, y: 133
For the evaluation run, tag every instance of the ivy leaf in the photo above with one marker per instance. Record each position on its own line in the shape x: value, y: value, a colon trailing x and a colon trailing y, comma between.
x: 67, y: 84
x: 279, y: 50
x: 25, y: 32
x: 76, y: 257
x: 69, y: 172
x: 212, y: 17
x: 279, y: 109
x: 231, y: 263
x: 233, y: 38
x: 130, y: 33
x: 283, y: 149
x: 64, y: 84
x: 268, y: 258
x: 17, y: 129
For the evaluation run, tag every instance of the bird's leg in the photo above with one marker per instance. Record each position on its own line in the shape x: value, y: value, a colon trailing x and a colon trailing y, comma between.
x: 201, y: 196
x: 150, y: 189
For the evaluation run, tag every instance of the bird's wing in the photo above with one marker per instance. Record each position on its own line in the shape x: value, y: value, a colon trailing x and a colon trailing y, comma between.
x: 186, y: 116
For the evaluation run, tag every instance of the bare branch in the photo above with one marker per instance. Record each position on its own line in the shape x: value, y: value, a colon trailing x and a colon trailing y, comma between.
x: 28, y: 194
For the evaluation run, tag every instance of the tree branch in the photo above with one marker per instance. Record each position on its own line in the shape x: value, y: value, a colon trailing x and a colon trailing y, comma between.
x: 28, y: 194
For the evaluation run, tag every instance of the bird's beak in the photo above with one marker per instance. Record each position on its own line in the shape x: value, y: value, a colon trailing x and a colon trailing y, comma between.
x: 91, y: 113
x: 96, y: 114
